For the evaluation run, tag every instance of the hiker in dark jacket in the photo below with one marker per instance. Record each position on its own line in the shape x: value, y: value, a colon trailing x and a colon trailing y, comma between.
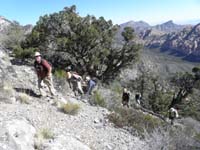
x: 90, y: 85
x: 43, y: 70
x: 138, y: 98
x: 125, y: 98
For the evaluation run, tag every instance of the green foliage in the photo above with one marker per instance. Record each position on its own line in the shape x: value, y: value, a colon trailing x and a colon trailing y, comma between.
x: 97, y: 99
x: 128, y: 34
x: 185, y: 83
x: 197, y: 136
x: 85, y: 42
x: 159, y: 101
x: 70, y: 108
x: 61, y: 74
x: 21, y: 53
x: 140, y: 122
x: 116, y: 87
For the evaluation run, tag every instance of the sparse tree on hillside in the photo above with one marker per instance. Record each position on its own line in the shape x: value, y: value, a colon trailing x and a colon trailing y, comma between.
x: 86, y: 43
x: 186, y: 83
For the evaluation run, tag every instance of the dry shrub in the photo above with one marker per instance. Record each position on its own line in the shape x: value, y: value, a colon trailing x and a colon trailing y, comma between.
x: 70, y: 108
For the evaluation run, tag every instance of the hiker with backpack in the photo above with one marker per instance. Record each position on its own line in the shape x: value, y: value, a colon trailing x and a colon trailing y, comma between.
x: 74, y: 81
x: 90, y: 85
x: 173, y: 114
x: 43, y: 70
x: 125, y: 97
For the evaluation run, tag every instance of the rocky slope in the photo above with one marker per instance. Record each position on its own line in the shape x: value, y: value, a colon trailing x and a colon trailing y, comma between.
x: 29, y: 122
x: 4, y: 23
x: 20, y: 123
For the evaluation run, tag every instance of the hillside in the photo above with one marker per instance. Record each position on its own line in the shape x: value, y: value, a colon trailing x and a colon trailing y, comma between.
x: 67, y: 122
x: 31, y: 122
x: 20, y: 121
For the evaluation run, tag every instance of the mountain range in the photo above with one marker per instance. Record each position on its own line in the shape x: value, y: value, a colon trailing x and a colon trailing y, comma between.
x: 182, y: 40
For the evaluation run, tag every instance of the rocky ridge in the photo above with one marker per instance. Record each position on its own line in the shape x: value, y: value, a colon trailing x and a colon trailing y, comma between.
x: 4, y: 23
x: 181, y: 39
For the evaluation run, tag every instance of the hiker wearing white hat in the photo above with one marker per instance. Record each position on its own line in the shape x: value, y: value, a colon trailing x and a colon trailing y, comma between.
x: 43, y: 70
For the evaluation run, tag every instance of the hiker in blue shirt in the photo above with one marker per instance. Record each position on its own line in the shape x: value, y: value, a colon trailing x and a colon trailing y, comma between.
x: 90, y: 85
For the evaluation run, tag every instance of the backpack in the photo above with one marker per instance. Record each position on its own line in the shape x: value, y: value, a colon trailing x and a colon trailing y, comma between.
x: 172, y: 114
x: 95, y: 79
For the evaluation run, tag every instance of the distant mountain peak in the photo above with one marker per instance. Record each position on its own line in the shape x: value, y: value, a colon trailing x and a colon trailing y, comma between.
x: 169, y: 26
x: 169, y: 22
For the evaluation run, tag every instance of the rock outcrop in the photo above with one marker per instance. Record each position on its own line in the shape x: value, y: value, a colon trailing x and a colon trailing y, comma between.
x: 186, y: 41
x: 4, y: 23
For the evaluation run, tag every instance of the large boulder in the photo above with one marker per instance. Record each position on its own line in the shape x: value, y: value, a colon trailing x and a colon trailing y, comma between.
x: 19, y: 135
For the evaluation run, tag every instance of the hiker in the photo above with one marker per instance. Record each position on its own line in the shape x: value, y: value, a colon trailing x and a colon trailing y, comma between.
x: 138, y: 98
x: 125, y: 97
x: 173, y: 113
x: 69, y: 76
x: 43, y: 70
x: 90, y: 85
x: 75, y: 81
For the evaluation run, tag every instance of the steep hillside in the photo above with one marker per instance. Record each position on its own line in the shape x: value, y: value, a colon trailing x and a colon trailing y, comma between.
x: 164, y: 63
x: 31, y: 122
x: 23, y: 115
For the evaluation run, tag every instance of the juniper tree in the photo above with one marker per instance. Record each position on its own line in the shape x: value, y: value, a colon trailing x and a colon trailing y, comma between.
x: 86, y: 43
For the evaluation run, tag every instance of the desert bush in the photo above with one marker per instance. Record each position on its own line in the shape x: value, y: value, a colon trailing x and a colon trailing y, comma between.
x: 24, y: 98
x: 70, y: 108
x: 116, y: 88
x: 97, y: 99
x: 173, y: 138
x: 159, y: 101
x: 197, y: 136
x: 60, y: 74
x: 21, y: 53
x: 8, y: 88
x: 123, y: 117
x: 41, y: 135
x: 45, y: 133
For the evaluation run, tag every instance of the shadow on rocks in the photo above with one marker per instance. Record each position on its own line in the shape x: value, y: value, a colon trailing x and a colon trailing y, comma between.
x: 28, y: 92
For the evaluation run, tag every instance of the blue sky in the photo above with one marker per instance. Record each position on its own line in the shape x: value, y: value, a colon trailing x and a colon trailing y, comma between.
x: 119, y: 11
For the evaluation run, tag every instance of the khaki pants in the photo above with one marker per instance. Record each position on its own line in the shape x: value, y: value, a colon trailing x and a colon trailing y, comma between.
x: 47, y: 81
x: 77, y: 87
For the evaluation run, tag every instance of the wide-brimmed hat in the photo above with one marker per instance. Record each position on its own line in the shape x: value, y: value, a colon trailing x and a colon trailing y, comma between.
x: 37, y: 54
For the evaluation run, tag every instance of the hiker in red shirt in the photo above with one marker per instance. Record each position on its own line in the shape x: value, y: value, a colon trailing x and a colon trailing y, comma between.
x: 43, y: 70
